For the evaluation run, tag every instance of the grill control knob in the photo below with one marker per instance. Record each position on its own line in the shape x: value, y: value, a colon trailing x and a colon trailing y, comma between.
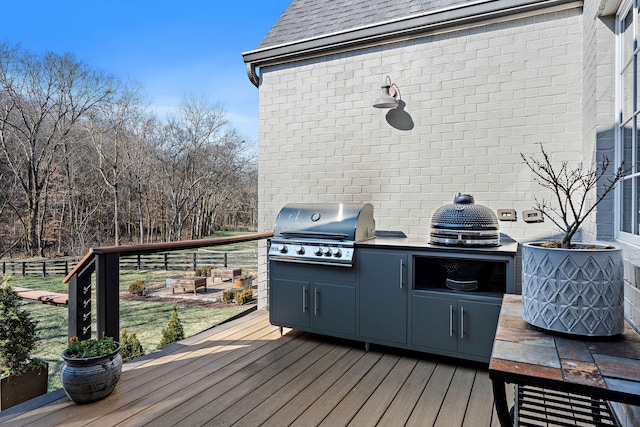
x: 300, y: 250
x: 328, y: 252
x: 337, y: 253
x: 283, y: 249
x: 318, y: 251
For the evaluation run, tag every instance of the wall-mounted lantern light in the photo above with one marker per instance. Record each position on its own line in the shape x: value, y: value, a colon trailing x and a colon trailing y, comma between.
x: 390, y: 95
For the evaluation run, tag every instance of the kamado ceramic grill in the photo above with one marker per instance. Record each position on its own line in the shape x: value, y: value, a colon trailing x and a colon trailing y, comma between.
x: 464, y: 223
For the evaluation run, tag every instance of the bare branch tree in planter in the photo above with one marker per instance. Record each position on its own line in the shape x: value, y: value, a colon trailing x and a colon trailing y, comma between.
x: 571, y: 188
x: 570, y: 288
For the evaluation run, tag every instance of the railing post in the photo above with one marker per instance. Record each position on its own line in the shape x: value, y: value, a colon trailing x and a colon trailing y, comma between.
x: 80, y: 304
x: 195, y: 261
x: 107, y: 295
x: 225, y: 260
x: 166, y: 261
x: 44, y: 268
x: 139, y: 262
x: 24, y: 269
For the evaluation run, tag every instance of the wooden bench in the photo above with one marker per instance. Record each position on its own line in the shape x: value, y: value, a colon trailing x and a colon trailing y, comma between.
x: 186, y: 282
x: 44, y: 297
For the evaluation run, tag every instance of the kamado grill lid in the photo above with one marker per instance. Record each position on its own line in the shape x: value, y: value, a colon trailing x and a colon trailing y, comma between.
x: 464, y: 223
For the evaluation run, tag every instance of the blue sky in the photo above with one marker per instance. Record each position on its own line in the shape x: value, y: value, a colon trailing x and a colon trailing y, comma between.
x: 173, y: 48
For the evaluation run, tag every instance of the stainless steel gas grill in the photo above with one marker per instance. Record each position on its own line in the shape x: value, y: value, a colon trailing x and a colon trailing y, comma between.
x: 322, y: 234
x: 312, y: 278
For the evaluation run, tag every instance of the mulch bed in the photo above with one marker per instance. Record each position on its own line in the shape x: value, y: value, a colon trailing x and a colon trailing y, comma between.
x: 188, y: 302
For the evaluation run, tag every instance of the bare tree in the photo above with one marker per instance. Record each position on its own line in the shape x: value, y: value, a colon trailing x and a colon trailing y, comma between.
x: 571, y: 189
x: 44, y: 97
x: 83, y: 163
x: 111, y: 129
x: 189, y: 136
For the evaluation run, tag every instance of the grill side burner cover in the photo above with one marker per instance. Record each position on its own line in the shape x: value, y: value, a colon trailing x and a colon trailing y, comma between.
x: 464, y: 223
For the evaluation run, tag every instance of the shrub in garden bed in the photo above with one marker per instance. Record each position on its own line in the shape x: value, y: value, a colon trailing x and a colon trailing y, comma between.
x: 138, y: 288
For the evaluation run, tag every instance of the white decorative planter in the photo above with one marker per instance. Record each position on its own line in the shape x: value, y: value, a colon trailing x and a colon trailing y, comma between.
x: 573, y: 291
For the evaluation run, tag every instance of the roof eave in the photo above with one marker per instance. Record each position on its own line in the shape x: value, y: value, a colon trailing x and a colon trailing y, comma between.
x: 392, y: 31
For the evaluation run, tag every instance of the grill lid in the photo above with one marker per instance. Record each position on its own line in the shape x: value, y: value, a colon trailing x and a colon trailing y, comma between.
x: 326, y: 221
x: 464, y: 223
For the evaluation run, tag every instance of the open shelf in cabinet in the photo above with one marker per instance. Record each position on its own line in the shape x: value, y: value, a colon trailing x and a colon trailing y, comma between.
x: 431, y: 272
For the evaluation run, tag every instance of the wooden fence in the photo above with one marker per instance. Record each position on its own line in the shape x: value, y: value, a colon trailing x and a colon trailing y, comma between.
x: 38, y: 268
x: 160, y: 261
x: 190, y: 261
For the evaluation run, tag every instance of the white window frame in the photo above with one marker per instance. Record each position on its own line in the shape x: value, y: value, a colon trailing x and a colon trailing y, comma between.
x: 633, y: 236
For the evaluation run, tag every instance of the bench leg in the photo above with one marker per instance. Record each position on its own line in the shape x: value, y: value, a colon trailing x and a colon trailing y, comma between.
x: 500, y: 401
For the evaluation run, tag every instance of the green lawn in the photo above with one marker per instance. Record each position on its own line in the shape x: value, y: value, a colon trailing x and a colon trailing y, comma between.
x: 144, y: 318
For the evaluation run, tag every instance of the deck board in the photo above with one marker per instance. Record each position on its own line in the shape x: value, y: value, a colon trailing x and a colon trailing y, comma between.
x: 375, y: 406
x: 405, y: 401
x: 426, y: 411
x: 246, y: 373
x: 454, y: 404
x: 478, y: 407
x: 358, y: 395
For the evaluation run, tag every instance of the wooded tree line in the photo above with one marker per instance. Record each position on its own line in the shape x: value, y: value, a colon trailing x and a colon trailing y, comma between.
x: 84, y: 161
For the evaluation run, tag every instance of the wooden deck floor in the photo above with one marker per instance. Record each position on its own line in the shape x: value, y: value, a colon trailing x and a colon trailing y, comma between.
x: 245, y: 374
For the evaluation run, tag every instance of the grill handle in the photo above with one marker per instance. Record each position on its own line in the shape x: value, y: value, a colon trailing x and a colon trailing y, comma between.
x: 316, y: 297
x: 401, y: 273
x: 461, y: 322
x: 314, y: 235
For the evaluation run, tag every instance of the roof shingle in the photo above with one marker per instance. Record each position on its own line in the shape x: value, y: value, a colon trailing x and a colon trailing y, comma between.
x: 305, y: 19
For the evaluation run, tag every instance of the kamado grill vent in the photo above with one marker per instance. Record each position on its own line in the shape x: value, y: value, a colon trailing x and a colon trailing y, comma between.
x: 464, y: 223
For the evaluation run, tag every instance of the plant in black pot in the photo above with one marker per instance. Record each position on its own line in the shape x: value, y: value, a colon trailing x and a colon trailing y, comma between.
x: 567, y: 287
x: 91, y: 369
x: 22, y: 378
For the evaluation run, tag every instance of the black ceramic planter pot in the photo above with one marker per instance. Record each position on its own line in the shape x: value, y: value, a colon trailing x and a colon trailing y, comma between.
x: 90, y: 379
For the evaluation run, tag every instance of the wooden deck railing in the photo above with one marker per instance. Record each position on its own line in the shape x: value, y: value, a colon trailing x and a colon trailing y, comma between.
x: 105, y: 262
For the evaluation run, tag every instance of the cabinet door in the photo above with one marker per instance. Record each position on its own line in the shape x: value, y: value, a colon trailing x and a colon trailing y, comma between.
x: 434, y: 322
x: 478, y: 322
x: 289, y: 302
x: 333, y: 308
x: 383, y: 296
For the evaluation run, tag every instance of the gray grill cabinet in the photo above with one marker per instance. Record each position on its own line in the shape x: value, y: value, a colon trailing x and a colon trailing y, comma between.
x: 395, y: 295
x: 313, y: 298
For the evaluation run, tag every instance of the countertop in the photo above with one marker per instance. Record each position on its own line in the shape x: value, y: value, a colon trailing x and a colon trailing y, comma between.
x: 398, y: 240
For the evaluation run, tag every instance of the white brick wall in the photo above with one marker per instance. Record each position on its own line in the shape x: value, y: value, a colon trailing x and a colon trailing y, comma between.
x: 477, y: 99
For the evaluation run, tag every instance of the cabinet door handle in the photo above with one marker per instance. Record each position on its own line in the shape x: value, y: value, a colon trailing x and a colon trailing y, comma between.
x: 401, y: 273
x: 461, y: 322
x: 304, y: 299
x: 316, y: 297
x: 450, y: 320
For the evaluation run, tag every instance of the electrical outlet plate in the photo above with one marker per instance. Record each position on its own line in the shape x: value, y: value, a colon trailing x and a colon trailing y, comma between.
x: 507, y: 215
x: 532, y: 216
